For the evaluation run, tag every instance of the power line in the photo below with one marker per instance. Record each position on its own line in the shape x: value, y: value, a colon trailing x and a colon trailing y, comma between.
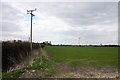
x: 30, y: 12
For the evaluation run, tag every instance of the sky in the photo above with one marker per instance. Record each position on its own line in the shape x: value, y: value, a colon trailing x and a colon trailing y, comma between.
x: 61, y: 22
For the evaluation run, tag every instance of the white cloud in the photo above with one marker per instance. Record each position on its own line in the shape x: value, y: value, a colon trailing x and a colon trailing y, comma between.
x: 47, y: 27
x: 60, y: 1
x: 62, y: 22
x: 13, y: 23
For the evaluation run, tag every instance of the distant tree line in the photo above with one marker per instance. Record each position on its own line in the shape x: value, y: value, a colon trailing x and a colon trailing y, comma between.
x: 14, y: 52
x: 100, y: 45
x: 88, y: 45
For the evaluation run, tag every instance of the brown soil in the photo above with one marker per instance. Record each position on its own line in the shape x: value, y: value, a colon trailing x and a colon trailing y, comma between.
x: 86, y: 72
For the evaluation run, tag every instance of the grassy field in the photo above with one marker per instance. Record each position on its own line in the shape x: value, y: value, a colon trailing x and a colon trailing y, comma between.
x: 65, y: 62
x: 84, y: 56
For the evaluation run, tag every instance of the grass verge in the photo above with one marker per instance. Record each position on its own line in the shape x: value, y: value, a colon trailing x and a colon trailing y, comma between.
x: 39, y: 63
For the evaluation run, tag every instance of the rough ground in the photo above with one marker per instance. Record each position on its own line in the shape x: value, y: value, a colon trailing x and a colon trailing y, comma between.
x: 65, y: 71
x: 83, y: 72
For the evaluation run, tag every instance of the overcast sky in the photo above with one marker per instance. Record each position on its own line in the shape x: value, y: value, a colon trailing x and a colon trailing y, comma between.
x: 62, y: 22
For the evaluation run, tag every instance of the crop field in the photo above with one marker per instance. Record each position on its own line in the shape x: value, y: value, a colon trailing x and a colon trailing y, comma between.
x: 69, y: 62
x: 84, y: 56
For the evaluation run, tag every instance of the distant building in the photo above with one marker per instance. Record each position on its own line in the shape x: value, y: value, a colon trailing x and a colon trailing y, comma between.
x: 47, y: 43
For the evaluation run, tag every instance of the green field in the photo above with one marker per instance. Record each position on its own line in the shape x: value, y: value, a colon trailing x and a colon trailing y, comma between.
x: 84, y: 56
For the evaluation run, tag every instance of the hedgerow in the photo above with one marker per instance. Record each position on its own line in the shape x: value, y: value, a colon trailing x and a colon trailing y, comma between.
x: 14, y: 52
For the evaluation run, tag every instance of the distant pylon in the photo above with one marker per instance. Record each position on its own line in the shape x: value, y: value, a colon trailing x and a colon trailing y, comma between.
x: 79, y: 41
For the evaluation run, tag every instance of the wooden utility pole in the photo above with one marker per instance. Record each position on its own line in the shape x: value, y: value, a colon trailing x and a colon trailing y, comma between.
x: 30, y: 12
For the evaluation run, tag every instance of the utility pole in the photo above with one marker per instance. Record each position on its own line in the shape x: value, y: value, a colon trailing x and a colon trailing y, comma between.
x: 30, y: 12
